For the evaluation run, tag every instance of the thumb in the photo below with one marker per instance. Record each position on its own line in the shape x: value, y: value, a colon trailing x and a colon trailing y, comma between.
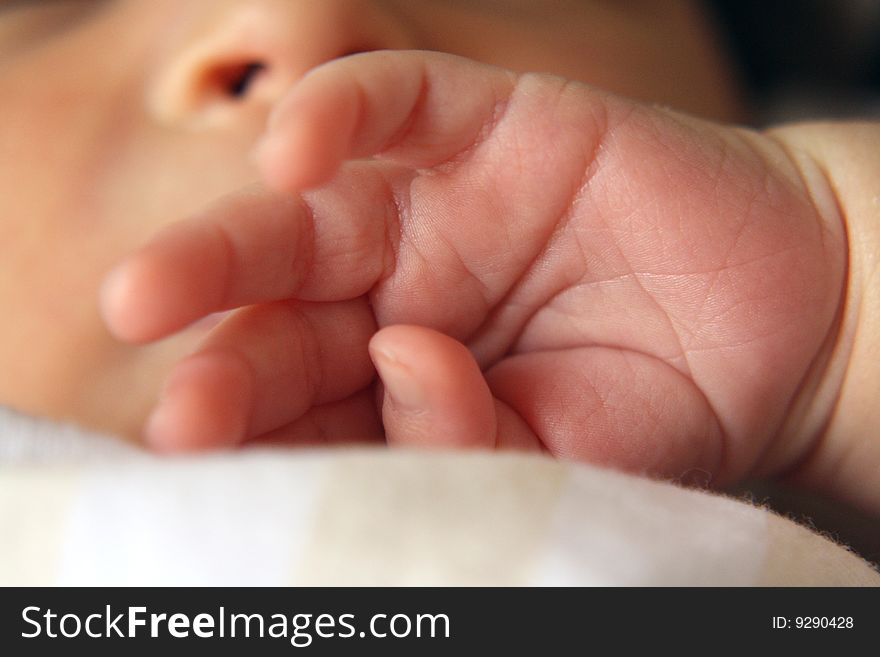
x: 435, y: 394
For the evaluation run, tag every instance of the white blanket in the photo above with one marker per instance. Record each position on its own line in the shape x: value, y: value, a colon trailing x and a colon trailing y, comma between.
x: 79, y: 509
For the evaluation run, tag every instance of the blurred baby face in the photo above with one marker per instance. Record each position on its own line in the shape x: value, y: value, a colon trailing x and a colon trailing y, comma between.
x: 121, y: 116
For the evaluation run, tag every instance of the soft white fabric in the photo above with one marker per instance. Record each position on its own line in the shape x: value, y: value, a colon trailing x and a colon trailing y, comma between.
x: 80, y: 509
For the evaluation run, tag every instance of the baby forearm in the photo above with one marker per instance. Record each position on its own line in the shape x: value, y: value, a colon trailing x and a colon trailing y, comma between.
x: 845, y: 457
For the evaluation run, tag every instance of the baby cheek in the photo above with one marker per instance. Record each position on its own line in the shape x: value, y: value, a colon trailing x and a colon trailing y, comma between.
x: 52, y: 342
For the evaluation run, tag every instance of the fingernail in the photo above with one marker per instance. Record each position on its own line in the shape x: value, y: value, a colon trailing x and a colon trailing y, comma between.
x: 404, y: 389
x: 272, y: 158
x: 159, y: 427
x: 156, y: 427
x: 112, y: 291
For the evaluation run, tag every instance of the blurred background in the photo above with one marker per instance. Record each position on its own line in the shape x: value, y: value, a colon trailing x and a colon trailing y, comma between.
x: 805, y: 58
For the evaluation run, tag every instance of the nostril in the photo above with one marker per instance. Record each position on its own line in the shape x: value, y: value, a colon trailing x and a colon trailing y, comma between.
x: 236, y: 80
x: 204, y: 93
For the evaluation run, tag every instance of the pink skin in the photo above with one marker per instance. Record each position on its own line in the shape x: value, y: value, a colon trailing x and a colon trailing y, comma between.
x: 551, y: 267
x: 121, y: 117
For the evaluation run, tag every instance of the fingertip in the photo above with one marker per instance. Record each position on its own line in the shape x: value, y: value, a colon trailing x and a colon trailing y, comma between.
x: 307, y: 136
x: 435, y: 393
x: 272, y: 160
x: 111, y: 301
x: 405, y: 389
x: 293, y: 158
x: 115, y: 303
x: 134, y: 302
x: 204, y: 405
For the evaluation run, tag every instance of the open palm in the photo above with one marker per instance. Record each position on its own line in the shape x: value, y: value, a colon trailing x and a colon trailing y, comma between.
x: 552, y: 267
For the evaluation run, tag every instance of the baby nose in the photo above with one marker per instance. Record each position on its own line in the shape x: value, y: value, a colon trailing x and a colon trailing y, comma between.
x: 234, y: 58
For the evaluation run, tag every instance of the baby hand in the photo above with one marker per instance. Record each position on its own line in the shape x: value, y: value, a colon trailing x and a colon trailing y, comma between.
x: 551, y: 267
